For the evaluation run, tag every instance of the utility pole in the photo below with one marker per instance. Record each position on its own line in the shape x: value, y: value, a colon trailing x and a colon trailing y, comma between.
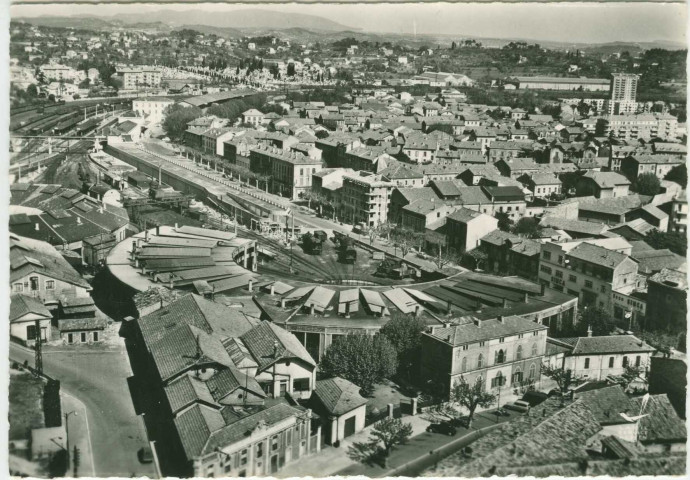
x: 38, y: 360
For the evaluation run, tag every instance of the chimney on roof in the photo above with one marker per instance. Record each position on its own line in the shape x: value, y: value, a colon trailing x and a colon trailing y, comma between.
x: 501, y: 319
x: 158, y: 230
x: 311, y: 309
x: 449, y: 307
x: 505, y: 303
x: 477, y: 322
x: 589, y: 330
x: 250, y: 287
x: 417, y: 310
x: 37, y: 227
x: 282, y: 303
x: 176, y: 227
x: 273, y: 289
x: 134, y: 249
x: 78, y: 220
x: 275, y: 348
x: 526, y: 298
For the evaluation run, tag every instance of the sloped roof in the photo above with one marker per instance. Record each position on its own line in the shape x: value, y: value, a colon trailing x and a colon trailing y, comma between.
x: 662, y: 423
x: 338, y: 396
x: 268, y: 343
x: 610, y: 344
x: 597, y: 255
x: 469, y: 332
x: 21, y: 305
x: 195, y: 426
x: 606, y: 404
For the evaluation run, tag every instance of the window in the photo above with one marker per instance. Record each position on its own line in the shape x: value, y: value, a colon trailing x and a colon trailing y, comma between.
x: 83, y: 337
x: 499, y: 356
x: 517, y: 376
x: 274, y: 443
x: 560, y: 259
x: 480, y: 361
x: 558, y: 274
x: 546, y: 255
x: 465, y: 347
x: 34, y: 283
x: 532, y: 371
x: 586, y: 362
x: 243, y: 457
x: 18, y: 287
x: 611, y: 361
x: 463, y: 364
x: 518, y: 353
x: 481, y: 344
x: 70, y: 338
x: 534, y: 350
x: 602, y: 289
x: 259, y: 450
x: 31, y: 332
x: 502, y: 339
x: 498, y: 380
x: 300, y: 385
x: 95, y: 336
x: 625, y: 362
x: 588, y: 283
x: 545, y: 269
x: 50, y: 284
x: 638, y: 360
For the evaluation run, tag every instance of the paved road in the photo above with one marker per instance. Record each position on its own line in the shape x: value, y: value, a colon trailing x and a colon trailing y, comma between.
x: 99, y: 380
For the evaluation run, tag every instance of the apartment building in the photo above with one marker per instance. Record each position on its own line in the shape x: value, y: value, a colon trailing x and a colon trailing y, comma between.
x: 365, y: 197
x: 643, y: 126
x: 502, y: 353
x: 291, y: 172
x: 57, y: 72
x: 421, y: 150
x: 253, y: 117
x: 465, y: 228
x: 588, y: 271
x: 152, y: 108
x: 135, y: 77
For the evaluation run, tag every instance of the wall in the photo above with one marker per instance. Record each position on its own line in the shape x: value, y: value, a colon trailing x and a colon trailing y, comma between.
x: 61, y: 288
x: 599, y: 364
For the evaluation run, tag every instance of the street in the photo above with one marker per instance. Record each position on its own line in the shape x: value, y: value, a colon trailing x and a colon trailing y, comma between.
x: 98, y: 379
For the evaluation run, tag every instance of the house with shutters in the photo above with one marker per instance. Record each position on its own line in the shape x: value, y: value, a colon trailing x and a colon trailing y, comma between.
x: 502, y: 353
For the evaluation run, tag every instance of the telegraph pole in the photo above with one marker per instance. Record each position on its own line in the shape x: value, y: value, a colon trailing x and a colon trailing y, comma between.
x: 38, y: 359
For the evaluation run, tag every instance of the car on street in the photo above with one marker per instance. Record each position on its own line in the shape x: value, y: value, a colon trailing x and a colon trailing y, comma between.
x: 444, y: 428
x: 145, y: 455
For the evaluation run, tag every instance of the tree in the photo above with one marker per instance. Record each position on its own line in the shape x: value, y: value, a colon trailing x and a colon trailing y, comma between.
x: 647, y: 184
x: 527, y: 227
x: 404, y: 332
x: 32, y: 91
x: 405, y: 238
x: 678, y: 174
x: 384, y: 437
x: 564, y: 378
x: 177, y: 117
x: 471, y: 396
x: 598, y: 319
x: 504, y: 221
x: 446, y: 256
x: 631, y: 373
x: 474, y: 259
x: 362, y: 359
x: 677, y: 242
x: 321, y: 134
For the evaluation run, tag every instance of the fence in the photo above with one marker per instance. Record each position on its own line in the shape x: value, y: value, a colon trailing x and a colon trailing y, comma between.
x: 375, y: 415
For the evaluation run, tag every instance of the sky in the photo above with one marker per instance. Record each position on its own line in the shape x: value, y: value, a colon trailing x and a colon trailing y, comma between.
x: 568, y: 22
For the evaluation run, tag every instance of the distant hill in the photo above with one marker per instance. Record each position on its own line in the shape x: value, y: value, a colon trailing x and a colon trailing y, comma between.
x: 208, y: 30
x: 238, y: 19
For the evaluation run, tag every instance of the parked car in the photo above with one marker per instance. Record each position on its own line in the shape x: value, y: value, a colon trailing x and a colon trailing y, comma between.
x: 534, y: 398
x: 145, y: 455
x: 445, y: 428
x: 502, y: 412
x: 522, y: 403
x: 516, y: 408
x: 321, y: 235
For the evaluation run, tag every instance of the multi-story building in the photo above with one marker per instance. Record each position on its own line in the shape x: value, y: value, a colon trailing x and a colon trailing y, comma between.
x: 510, y: 254
x: 253, y: 117
x: 644, y: 126
x: 465, y: 228
x: 659, y: 165
x: 602, y: 185
x: 365, y: 197
x: 679, y: 213
x: 57, y: 72
x: 623, y: 93
x: 291, y: 172
x: 220, y: 381
x: 667, y: 293
x: 143, y: 76
x: 153, y: 108
x: 501, y: 353
x: 588, y: 271
x: 38, y: 270
x: 421, y: 150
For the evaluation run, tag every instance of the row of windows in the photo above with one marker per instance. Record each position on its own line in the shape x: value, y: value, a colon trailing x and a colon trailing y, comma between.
x: 33, y: 285
x: 624, y: 362
x: 500, y: 356
x: 499, y: 380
